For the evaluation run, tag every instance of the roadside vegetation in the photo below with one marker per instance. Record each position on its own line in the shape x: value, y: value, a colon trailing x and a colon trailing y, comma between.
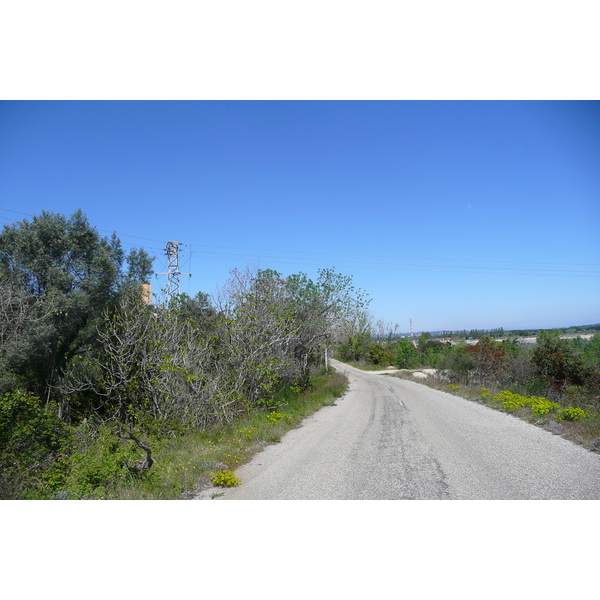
x: 554, y: 383
x: 105, y: 395
x: 51, y: 460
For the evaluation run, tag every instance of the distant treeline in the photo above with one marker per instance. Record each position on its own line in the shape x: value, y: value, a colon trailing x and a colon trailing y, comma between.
x: 498, y: 332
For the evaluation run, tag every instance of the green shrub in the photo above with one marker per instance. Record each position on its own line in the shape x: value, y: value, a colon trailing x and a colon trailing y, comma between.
x: 542, y: 406
x: 100, y: 465
x: 380, y: 354
x: 406, y: 356
x: 458, y: 364
x: 512, y: 402
x: 275, y: 417
x: 572, y: 414
x: 433, y: 352
x: 34, y: 442
x: 225, y: 478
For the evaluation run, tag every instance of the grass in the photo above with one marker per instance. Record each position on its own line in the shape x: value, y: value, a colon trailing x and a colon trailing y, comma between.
x: 585, y: 432
x: 186, y: 464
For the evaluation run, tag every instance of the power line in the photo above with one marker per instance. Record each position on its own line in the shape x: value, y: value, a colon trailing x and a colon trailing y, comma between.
x: 419, y: 268
x: 400, y: 257
x: 370, y: 264
x: 313, y: 258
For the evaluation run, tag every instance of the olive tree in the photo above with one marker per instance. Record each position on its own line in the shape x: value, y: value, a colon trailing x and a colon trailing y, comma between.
x: 57, y: 275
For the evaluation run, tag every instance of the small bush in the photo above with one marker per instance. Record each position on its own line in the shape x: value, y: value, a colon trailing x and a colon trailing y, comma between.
x: 406, y: 356
x: 100, y: 465
x: 33, y: 444
x: 542, y: 406
x: 380, y: 354
x: 225, y: 478
x: 511, y: 402
x: 572, y: 414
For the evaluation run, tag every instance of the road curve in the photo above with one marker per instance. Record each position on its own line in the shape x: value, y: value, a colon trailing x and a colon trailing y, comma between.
x: 389, y: 439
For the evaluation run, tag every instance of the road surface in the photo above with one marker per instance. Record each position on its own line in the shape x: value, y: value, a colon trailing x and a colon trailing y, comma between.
x: 389, y: 439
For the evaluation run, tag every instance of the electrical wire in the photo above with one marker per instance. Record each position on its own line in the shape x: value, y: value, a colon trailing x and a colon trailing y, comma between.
x: 392, y: 267
x: 370, y: 264
x: 313, y: 258
x: 401, y: 257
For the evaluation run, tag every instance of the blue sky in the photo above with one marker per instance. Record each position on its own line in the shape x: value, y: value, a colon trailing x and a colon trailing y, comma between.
x: 453, y: 214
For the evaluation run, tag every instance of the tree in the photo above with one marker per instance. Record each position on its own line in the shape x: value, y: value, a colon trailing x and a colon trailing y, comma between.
x: 64, y: 275
x: 433, y: 352
x: 459, y: 364
x: 291, y: 320
x: 139, y: 269
x: 325, y: 310
x: 256, y: 334
x: 380, y: 354
x: 197, y: 309
x: 406, y: 356
x: 424, y: 338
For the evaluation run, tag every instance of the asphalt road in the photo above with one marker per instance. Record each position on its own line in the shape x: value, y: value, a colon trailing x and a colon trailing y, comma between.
x: 389, y: 439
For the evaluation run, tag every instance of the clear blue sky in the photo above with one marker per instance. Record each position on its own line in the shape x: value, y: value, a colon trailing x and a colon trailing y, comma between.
x: 455, y: 214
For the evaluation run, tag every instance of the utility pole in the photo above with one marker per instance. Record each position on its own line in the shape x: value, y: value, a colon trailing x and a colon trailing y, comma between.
x: 173, y: 273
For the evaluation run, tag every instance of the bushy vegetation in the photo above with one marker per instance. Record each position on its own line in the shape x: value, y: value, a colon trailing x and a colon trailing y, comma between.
x: 558, y: 372
x: 555, y: 383
x: 103, y: 395
x: 34, y: 444
x: 101, y: 465
x: 572, y: 414
x: 94, y: 380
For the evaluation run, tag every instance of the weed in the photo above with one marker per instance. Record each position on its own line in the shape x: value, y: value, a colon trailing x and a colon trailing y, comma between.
x: 542, y: 406
x: 572, y: 414
x: 274, y: 417
x: 512, y: 402
x: 225, y: 478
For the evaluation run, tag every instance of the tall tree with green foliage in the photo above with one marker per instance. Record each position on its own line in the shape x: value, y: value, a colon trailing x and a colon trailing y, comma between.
x: 61, y: 274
